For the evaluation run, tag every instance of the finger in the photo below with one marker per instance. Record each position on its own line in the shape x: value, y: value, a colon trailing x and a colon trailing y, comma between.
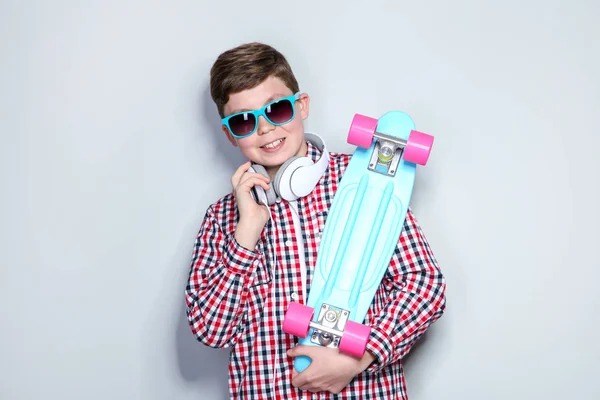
x: 251, y: 181
x: 301, y: 350
x: 299, y: 378
x: 239, y: 172
x: 254, y: 178
x: 248, y: 175
x: 302, y: 379
x: 311, y: 388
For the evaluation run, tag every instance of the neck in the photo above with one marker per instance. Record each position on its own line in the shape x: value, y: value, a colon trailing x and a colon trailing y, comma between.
x: 272, y: 171
x: 301, y: 153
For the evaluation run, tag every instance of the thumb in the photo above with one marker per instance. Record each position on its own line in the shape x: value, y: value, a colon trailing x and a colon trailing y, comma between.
x: 300, y: 350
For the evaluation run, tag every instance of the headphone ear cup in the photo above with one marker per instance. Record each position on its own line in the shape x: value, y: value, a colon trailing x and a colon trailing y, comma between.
x: 258, y: 192
x: 286, y: 183
x: 280, y: 173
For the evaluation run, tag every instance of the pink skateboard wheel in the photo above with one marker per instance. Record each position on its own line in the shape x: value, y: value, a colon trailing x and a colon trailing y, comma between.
x: 362, y: 130
x: 418, y: 147
x: 355, y: 338
x: 297, y: 319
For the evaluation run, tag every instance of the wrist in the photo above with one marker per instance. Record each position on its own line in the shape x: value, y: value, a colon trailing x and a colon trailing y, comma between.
x: 247, y: 234
x: 366, y: 360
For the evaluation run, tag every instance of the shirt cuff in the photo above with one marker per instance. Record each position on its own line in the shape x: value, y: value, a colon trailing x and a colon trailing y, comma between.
x: 239, y: 259
x: 381, y: 347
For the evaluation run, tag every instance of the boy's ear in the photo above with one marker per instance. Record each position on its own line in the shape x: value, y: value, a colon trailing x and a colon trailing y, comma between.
x: 229, y: 135
x: 304, y: 105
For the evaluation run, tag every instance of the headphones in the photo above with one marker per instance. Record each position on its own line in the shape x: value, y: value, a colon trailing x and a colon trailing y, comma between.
x: 296, y: 178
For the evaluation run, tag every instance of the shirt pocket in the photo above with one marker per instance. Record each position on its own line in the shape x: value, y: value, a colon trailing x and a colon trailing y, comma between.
x: 263, y: 273
x: 260, y: 287
x: 318, y: 218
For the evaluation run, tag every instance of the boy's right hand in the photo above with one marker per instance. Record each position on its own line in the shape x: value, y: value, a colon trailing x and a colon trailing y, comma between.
x: 253, y: 216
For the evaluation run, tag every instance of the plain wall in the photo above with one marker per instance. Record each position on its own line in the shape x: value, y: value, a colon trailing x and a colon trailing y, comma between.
x: 111, y: 152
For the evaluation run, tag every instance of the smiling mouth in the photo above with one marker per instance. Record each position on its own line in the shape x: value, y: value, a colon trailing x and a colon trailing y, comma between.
x: 274, y: 144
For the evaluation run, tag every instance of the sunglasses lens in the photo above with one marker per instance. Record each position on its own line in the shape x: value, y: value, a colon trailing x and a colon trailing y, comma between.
x: 242, y: 124
x: 280, y: 112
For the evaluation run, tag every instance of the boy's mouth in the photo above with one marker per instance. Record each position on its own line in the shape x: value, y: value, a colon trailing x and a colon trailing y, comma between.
x: 273, y: 145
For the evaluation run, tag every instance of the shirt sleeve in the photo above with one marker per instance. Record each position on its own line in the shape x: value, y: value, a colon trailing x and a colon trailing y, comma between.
x: 217, y: 290
x: 414, y: 301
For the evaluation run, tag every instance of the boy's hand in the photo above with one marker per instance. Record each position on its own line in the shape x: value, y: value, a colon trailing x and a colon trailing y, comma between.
x: 329, y: 370
x: 253, y: 216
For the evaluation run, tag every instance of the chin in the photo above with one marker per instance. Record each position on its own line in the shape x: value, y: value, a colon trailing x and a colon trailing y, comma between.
x: 275, y: 161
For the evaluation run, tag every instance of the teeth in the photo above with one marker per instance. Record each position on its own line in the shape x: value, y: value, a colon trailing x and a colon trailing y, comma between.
x: 273, y: 145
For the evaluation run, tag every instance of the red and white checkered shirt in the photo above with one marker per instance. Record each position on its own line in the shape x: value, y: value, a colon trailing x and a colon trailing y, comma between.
x: 237, y: 298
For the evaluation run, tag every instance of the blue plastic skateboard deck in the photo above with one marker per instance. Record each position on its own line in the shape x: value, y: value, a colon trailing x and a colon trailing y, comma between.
x: 361, y: 232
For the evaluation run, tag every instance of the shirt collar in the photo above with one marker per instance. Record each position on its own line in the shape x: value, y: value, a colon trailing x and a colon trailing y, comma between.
x: 312, y: 151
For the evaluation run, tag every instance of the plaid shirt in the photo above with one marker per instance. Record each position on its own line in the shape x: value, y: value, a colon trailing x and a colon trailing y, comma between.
x: 236, y: 298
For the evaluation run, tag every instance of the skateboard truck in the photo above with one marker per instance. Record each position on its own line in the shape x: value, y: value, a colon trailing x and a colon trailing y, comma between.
x: 389, y: 149
x: 387, y: 152
x: 332, y: 328
x: 329, y: 327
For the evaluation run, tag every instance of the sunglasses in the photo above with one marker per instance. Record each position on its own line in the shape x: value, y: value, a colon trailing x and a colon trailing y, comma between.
x: 277, y: 112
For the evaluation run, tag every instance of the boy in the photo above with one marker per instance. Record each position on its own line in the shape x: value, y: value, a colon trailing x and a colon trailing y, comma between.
x: 251, y: 260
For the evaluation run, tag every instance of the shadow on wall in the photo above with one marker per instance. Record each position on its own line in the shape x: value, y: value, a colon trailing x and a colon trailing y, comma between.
x: 209, y: 117
x: 204, y: 367
x: 198, y: 363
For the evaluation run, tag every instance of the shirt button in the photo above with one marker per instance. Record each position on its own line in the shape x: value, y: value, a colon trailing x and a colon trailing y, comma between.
x: 288, y: 243
x: 294, y: 296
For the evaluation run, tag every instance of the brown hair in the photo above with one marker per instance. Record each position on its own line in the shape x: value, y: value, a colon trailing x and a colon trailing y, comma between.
x: 245, y: 67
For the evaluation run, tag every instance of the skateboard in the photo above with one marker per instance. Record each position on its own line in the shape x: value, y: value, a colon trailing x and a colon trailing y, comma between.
x: 360, y: 234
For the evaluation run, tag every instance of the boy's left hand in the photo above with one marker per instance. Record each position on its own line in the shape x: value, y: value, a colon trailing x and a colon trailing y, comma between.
x: 329, y: 370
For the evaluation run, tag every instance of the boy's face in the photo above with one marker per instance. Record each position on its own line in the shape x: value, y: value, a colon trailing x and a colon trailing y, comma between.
x: 291, y: 133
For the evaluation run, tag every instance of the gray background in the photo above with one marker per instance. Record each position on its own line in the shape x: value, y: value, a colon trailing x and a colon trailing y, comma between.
x: 111, y: 152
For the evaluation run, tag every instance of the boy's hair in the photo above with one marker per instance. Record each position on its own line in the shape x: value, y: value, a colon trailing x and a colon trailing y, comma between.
x: 245, y: 67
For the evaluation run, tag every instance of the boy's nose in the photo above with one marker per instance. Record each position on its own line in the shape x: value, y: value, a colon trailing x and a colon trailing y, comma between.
x: 264, y: 126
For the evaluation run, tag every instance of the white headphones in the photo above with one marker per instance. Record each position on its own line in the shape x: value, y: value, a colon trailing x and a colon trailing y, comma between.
x: 296, y: 178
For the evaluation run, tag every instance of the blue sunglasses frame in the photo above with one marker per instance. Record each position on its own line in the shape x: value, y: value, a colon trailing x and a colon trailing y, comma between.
x: 262, y: 112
